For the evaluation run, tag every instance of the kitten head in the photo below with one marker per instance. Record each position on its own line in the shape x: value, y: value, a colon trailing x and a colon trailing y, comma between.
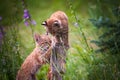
x: 42, y: 40
x: 52, y: 25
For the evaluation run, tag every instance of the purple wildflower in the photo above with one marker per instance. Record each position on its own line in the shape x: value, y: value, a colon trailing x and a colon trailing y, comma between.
x: 33, y: 22
x: 27, y: 18
x: 26, y: 14
x: 26, y: 23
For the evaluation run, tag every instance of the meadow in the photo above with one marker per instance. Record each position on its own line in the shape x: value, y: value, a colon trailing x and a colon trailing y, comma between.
x: 83, y: 62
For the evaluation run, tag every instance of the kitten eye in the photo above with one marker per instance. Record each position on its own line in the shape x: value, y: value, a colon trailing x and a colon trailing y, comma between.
x: 56, y: 23
x: 37, y: 37
x: 50, y: 41
x: 37, y: 40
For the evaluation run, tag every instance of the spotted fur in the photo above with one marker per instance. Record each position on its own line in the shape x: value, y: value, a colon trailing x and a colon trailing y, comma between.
x: 36, y: 59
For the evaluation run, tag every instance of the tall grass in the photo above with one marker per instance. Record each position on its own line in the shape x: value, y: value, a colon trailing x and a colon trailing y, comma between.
x: 10, y: 59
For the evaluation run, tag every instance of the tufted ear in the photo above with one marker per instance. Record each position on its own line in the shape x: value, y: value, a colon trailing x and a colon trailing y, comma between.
x: 37, y: 37
x: 44, y: 23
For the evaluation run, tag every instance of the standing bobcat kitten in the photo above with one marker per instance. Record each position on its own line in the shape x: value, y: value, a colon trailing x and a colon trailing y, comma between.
x: 36, y: 59
x: 57, y: 25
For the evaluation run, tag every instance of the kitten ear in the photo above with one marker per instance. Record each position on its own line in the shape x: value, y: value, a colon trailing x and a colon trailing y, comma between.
x: 44, y: 23
x: 37, y: 37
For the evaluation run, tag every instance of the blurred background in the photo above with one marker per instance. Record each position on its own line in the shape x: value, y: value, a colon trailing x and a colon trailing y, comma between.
x: 94, y: 37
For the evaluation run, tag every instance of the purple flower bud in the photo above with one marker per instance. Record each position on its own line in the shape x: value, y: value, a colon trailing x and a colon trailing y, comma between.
x: 26, y: 23
x: 33, y: 22
x: 26, y: 14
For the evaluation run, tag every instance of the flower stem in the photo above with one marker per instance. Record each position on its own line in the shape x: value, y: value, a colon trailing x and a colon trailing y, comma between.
x: 80, y: 28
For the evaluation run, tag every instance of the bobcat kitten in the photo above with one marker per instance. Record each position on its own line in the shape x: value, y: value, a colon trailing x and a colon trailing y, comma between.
x: 36, y: 59
x: 57, y: 25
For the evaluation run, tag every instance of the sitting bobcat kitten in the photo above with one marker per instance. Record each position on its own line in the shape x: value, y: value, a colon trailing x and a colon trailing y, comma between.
x: 57, y: 25
x: 36, y: 59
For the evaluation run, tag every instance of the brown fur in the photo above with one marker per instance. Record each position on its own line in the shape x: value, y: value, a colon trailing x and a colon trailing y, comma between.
x: 36, y: 59
x: 57, y: 25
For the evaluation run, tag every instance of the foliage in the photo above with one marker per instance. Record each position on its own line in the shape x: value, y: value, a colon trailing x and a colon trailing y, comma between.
x: 10, y: 12
x: 109, y: 41
x: 10, y: 59
x: 107, y: 67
